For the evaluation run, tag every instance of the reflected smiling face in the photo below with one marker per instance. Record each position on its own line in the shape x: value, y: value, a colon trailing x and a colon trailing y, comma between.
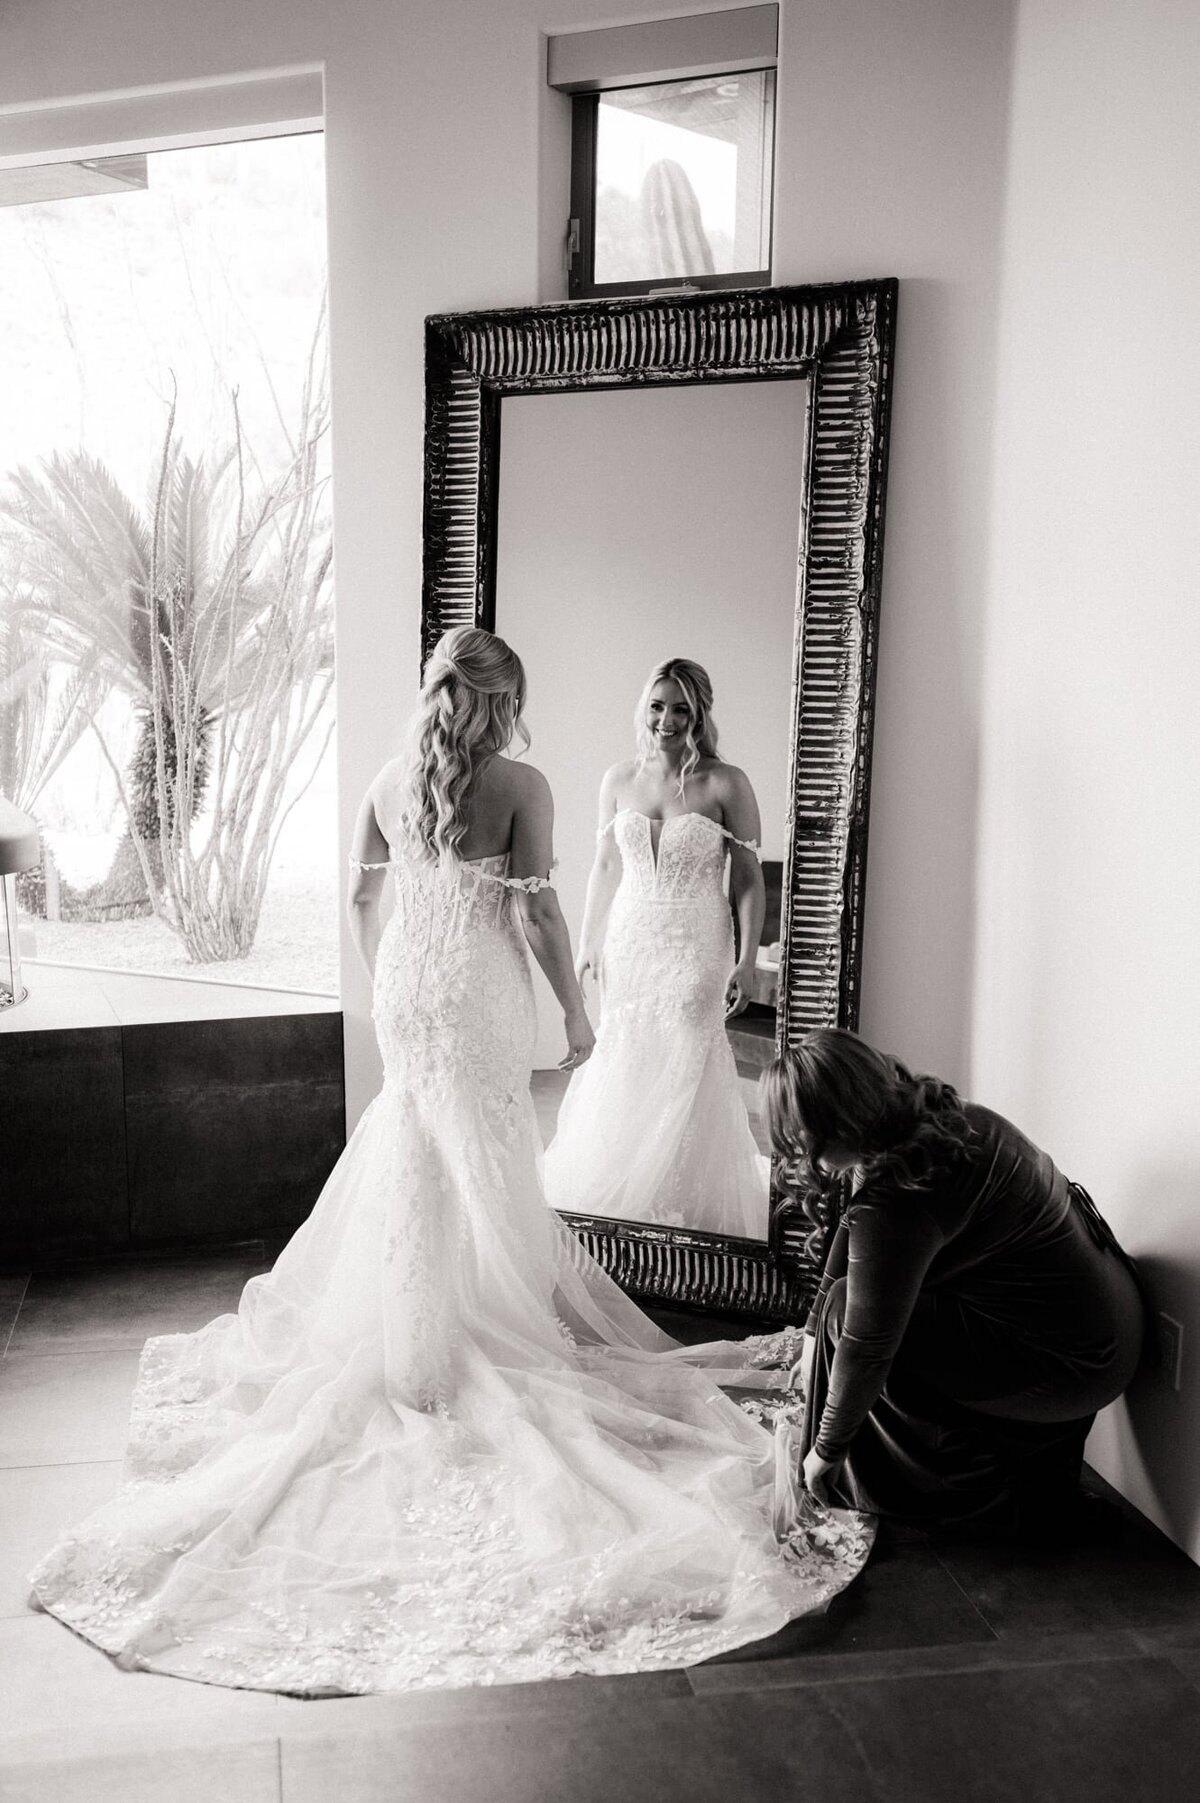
x: 667, y: 715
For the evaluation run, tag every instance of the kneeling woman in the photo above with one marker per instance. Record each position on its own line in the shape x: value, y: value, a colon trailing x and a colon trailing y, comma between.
x: 975, y: 1310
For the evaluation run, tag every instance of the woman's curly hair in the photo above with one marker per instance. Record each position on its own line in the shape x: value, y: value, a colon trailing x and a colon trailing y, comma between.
x: 835, y: 1094
x: 469, y: 707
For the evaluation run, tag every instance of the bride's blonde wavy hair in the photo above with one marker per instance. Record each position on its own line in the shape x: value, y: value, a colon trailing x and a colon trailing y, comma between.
x: 469, y: 707
x: 697, y: 691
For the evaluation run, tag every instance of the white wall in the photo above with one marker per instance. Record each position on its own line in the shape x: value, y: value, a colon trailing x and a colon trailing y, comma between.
x: 1088, y: 1016
x: 891, y: 142
x: 638, y: 525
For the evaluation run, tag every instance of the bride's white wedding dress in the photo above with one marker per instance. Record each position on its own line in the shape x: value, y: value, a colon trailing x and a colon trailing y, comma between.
x: 436, y: 1445
x: 653, y: 1127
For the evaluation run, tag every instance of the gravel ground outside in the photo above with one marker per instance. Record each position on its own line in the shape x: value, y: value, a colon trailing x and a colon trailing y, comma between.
x: 296, y: 946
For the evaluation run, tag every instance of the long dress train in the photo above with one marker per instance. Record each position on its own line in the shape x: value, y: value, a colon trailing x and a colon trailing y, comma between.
x: 436, y: 1445
x: 653, y: 1127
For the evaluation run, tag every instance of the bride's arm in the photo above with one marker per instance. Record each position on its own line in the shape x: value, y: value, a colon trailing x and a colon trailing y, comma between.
x: 603, y: 883
x: 531, y: 855
x: 368, y: 847
x: 745, y: 883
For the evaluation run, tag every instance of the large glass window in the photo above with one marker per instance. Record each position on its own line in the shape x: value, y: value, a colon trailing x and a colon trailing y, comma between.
x: 166, y: 639
x: 671, y: 184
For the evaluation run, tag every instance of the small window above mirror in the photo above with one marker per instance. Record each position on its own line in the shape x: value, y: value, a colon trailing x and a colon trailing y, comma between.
x: 672, y: 151
x: 671, y: 185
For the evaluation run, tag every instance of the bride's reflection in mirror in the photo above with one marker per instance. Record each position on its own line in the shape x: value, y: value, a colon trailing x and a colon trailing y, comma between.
x: 633, y: 524
x: 654, y: 1127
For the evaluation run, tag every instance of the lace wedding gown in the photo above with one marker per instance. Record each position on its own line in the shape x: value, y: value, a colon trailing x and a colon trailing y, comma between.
x: 436, y: 1445
x: 653, y: 1127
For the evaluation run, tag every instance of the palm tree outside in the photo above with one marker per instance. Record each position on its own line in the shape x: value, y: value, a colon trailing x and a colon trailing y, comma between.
x: 173, y: 635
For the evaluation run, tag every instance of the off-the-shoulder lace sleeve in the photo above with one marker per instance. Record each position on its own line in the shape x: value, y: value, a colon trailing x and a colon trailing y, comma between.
x: 746, y: 844
x: 530, y: 884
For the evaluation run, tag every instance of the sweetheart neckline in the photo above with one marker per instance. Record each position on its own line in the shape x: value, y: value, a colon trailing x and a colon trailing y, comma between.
x: 662, y: 819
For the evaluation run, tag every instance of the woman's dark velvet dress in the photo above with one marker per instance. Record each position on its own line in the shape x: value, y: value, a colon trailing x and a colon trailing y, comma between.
x: 966, y: 1337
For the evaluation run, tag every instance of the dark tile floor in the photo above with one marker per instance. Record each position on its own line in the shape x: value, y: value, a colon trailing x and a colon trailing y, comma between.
x: 946, y: 1672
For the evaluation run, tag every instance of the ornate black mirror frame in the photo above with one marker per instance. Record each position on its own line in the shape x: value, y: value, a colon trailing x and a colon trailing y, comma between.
x: 841, y: 338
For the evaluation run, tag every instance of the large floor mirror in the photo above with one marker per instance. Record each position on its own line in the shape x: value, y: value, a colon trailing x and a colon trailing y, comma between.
x: 615, y: 484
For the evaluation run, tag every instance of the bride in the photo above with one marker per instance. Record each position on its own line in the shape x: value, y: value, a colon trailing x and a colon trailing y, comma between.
x: 436, y: 1445
x: 655, y: 1128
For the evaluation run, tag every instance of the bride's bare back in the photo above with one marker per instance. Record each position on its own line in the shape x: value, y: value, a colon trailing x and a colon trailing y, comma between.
x: 508, y: 808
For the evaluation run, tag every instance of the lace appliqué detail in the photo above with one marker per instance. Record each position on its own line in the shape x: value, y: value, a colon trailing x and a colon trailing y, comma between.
x: 774, y: 1351
x: 531, y: 885
x: 840, y: 1540
x: 465, y: 1605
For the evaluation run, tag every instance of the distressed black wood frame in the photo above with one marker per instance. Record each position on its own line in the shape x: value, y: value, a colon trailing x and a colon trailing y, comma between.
x: 840, y: 337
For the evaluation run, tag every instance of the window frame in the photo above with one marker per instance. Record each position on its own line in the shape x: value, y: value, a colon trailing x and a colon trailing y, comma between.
x: 147, y: 124
x: 581, y: 239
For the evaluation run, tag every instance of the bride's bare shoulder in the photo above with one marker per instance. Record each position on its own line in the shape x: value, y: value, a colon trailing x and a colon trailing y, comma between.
x: 729, y: 782
x: 387, y: 779
x: 617, y: 776
x: 518, y: 780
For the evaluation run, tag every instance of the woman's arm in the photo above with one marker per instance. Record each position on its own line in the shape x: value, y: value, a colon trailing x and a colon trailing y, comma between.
x: 746, y: 885
x: 545, y: 929
x: 835, y: 1267
x: 603, y: 883
x: 836, y: 1261
x: 890, y: 1245
x: 367, y: 846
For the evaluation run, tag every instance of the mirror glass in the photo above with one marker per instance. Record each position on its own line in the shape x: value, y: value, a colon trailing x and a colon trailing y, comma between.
x: 637, y: 525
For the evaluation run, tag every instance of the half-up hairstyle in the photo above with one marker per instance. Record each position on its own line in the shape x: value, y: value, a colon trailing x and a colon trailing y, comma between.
x: 833, y: 1093
x: 469, y: 708
x: 697, y: 692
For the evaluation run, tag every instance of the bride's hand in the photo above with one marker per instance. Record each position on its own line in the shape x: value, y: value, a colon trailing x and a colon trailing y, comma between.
x: 580, y: 1041
x: 739, y: 991
x: 585, y: 962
